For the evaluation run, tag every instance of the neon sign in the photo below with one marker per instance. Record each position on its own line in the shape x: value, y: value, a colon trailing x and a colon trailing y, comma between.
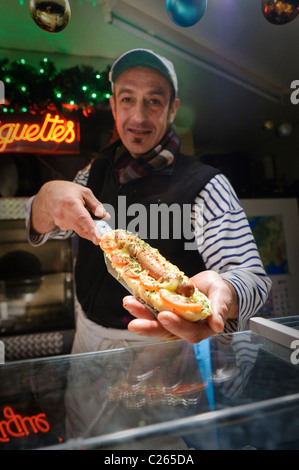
x: 15, y: 425
x: 46, y: 133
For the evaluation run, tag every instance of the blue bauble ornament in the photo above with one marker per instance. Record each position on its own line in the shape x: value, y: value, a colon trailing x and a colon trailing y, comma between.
x: 186, y: 13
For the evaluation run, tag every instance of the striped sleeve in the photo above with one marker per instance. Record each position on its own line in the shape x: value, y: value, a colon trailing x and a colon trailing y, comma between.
x: 227, y: 246
x: 57, y: 234
x: 82, y: 176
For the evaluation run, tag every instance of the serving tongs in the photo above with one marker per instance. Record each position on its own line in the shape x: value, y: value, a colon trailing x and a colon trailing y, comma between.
x: 104, y: 227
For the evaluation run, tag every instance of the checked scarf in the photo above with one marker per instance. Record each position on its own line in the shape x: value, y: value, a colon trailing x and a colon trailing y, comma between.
x: 160, y: 157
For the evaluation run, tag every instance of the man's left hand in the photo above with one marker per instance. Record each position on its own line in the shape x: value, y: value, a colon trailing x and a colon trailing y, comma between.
x: 169, y: 326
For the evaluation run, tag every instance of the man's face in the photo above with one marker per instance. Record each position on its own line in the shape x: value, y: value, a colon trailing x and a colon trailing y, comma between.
x: 141, y: 108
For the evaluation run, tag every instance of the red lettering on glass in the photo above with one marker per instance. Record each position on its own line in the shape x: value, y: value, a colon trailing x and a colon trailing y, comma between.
x: 15, y: 425
x: 54, y: 129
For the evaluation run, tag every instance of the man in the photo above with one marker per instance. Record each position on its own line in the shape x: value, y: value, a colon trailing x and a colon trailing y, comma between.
x: 145, y: 166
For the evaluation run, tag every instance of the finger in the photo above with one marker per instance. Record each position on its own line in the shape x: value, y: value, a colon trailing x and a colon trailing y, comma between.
x: 136, y: 308
x: 85, y: 226
x: 189, y: 331
x: 101, y: 212
x: 145, y: 324
x: 216, y: 322
x: 220, y: 308
x: 94, y: 205
x: 168, y: 326
x: 150, y: 328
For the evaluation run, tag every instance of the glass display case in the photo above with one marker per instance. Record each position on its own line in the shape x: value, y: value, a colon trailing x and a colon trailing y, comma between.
x: 238, y: 391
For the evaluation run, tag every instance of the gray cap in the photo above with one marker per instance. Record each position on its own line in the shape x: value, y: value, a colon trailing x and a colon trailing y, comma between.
x: 145, y: 58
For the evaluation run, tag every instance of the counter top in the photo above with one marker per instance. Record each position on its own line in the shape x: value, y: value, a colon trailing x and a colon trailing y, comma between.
x: 228, y: 392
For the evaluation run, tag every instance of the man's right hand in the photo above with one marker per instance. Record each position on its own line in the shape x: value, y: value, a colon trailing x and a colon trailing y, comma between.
x: 67, y: 205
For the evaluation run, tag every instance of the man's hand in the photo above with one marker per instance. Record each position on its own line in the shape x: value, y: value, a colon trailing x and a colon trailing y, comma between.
x: 170, y: 326
x: 66, y: 205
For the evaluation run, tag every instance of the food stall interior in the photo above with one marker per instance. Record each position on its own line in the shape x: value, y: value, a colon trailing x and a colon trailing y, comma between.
x: 239, y: 112
x: 239, y: 97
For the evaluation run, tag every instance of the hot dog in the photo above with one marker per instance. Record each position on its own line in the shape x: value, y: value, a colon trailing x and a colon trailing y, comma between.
x: 153, y: 279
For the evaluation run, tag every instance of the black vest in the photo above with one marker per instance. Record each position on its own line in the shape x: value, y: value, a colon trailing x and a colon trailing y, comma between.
x: 150, y: 206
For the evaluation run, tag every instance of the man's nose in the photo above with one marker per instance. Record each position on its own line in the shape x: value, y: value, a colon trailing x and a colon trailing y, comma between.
x: 141, y: 111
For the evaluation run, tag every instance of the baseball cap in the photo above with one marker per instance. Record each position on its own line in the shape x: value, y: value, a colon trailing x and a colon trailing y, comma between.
x: 145, y: 58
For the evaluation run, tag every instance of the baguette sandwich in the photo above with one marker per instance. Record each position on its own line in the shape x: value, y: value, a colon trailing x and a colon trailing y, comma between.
x: 152, y: 279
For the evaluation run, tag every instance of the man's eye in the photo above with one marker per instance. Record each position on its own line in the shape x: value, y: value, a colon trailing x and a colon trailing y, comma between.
x: 126, y: 99
x: 155, y: 101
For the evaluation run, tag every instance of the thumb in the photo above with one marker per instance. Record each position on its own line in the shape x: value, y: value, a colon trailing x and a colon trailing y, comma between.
x: 95, y: 206
x: 216, y: 322
x: 101, y: 212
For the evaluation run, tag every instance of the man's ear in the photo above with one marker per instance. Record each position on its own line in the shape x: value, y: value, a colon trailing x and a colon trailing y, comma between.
x: 112, y: 105
x: 173, y: 109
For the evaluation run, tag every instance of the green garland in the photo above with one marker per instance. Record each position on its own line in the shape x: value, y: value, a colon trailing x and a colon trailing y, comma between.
x: 38, y: 89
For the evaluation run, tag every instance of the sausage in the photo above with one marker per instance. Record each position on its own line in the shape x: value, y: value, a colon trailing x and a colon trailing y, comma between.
x: 185, y: 287
x: 121, y: 238
x: 155, y: 268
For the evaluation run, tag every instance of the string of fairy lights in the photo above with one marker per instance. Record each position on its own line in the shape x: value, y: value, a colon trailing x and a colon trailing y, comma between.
x: 42, y: 88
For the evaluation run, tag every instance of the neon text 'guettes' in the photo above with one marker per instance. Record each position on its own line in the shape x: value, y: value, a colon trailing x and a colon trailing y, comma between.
x: 54, y: 129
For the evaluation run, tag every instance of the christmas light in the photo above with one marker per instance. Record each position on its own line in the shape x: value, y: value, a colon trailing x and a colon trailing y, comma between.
x: 43, y: 88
